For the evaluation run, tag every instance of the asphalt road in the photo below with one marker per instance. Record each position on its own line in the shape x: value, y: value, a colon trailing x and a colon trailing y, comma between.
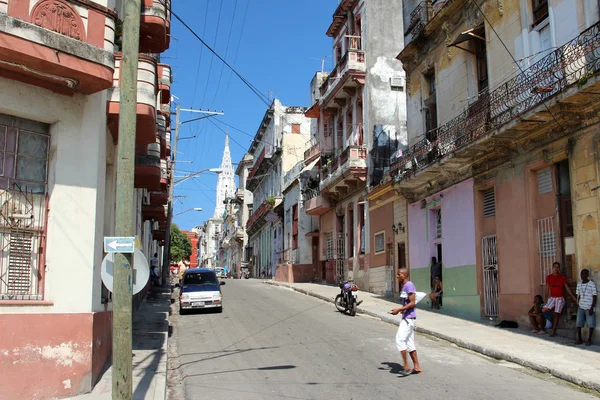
x: 272, y: 343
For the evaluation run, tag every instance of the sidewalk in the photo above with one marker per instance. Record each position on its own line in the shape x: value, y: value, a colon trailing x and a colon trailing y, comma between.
x: 150, y: 335
x: 556, y: 356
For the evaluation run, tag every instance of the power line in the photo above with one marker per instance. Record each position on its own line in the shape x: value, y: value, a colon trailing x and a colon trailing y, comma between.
x: 226, y: 52
x: 513, y: 58
x: 237, y: 50
x: 230, y: 137
x: 212, y: 57
x: 254, y: 90
x: 200, y: 57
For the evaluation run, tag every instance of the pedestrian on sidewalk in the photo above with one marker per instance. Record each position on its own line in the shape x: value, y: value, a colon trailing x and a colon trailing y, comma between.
x: 586, y: 310
x: 405, y: 337
x: 556, y: 284
x: 537, y: 318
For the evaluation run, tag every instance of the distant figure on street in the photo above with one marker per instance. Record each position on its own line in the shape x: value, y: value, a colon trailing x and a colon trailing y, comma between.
x: 587, y: 295
x: 538, y: 319
x: 405, y: 337
x: 154, y: 276
x: 437, y: 292
x: 556, y: 284
x: 436, y: 270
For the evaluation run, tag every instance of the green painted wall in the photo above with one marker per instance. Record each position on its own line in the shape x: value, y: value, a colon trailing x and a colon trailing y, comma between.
x: 460, y: 290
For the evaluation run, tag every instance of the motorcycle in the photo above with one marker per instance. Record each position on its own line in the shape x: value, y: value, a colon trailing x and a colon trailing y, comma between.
x: 347, y: 300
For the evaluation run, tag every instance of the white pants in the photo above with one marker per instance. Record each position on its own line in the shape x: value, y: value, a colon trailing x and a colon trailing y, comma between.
x: 405, y: 337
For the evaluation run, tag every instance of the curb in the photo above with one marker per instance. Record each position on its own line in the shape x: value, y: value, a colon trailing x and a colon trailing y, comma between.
x: 497, y: 354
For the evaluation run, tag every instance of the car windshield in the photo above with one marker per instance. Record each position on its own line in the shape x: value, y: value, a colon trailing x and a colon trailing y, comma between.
x: 200, y: 278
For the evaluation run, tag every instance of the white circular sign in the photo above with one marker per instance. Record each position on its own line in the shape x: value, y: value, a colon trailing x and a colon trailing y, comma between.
x: 140, y: 273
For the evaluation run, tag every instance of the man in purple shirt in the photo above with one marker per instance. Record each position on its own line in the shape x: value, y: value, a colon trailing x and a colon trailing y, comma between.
x: 405, y: 337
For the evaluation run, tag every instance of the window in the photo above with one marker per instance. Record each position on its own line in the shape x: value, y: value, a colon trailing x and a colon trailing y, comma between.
x: 361, y: 226
x: 438, y: 223
x: 544, y: 178
x: 379, y: 242
x: 481, y: 57
x: 295, y: 227
x: 329, y: 239
x: 540, y: 11
x: 489, y: 203
x: 296, y: 128
x: 23, y: 158
x: 430, y: 104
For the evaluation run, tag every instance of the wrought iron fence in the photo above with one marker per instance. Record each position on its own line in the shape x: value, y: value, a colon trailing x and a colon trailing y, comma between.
x: 574, y: 62
x: 418, y: 19
x: 382, y: 154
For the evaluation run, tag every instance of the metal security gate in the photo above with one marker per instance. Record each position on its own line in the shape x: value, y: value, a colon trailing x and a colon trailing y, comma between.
x: 490, y: 275
x: 339, y: 258
x: 546, y: 238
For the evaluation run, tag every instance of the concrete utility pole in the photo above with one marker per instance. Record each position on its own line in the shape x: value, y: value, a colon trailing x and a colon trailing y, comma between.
x: 167, y: 248
x: 122, y: 383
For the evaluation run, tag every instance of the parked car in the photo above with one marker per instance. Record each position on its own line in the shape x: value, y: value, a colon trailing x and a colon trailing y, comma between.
x: 200, y: 288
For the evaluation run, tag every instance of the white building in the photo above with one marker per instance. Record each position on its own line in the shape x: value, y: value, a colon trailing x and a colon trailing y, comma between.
x: 59, y: 104
x: 277, y: 147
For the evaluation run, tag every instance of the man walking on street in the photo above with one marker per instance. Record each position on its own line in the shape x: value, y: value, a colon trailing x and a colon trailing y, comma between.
x: 556, y: 284
x: 405, y: 337
x: 586, y: 300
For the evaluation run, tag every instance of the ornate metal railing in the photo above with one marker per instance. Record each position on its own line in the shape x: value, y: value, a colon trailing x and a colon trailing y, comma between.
x: 574, y: 62
x: 310, y: 194
x: 418, y: 19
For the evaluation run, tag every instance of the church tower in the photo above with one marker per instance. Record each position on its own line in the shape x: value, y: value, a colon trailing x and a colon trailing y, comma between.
x: 226, y: 184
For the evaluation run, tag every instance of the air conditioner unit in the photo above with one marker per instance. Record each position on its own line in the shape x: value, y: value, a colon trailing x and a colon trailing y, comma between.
x: 397, y: 82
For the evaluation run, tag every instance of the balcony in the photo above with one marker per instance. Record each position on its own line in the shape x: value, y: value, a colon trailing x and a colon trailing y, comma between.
x: 168, y: 141
x: 239, y: 196
x: 50, y: 46
x: 155, y: 26
x: 557, y: 88
x: 315, y: 203
x: 419, y: 17
x: 340, y: 17
x: 152, y: 212
x: 239, y: 234
x: 258, y: 219
x: 261, y: 166
x: 159, y: 198
x: 345, y: 173
x: 292, y: 175
x: 147, y: 169
x: 164, y: 83
x: 348, y: 74
x: 158, y: 235
x: 313, y: 152
x: 164, y: 174
x: 146, y: 100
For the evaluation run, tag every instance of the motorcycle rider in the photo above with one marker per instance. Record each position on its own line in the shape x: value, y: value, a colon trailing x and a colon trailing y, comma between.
x: 405, y: 337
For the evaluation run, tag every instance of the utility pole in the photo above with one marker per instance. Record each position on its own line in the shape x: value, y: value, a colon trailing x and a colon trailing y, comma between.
x: 167, y: 248
x: 122, y: 383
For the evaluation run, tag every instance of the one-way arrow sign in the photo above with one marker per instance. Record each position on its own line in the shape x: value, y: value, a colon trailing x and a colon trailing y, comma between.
x: 119, y: 244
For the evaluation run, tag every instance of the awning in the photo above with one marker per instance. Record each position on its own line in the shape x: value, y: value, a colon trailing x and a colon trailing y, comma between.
x: 310, y: 166
x: 314, y: 111
x: 474, y: 33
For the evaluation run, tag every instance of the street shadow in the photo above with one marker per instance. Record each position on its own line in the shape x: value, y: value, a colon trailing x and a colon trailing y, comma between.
x: 392, y: 367
x: 150, y: 331
x: 225, y: 353
x: 271, y: 368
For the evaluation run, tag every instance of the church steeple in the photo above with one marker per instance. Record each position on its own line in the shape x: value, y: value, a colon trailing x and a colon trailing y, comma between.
x: 226, y: 183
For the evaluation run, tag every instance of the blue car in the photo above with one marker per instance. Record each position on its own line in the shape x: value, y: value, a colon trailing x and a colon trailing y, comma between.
x: 200, y: 288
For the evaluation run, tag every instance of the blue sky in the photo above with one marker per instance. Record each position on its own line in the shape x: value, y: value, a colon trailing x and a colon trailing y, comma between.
x: 277, y: 47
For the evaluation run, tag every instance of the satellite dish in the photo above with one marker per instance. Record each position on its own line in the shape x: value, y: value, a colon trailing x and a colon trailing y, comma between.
x: 140, y: 273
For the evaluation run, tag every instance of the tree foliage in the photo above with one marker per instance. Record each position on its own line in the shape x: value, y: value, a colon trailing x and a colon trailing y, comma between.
x: 181, y: 246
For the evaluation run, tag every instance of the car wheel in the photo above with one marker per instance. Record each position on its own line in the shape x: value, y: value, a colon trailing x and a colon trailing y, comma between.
x: 182, y: 311
x: 219, y: 310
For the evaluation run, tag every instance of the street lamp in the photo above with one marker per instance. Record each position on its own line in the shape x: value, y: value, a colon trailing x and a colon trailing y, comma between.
x: 194, y: 174
x: 189, y: 209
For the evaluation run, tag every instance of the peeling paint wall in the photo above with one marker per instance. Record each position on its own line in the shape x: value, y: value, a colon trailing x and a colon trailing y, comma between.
x: 384, y: 105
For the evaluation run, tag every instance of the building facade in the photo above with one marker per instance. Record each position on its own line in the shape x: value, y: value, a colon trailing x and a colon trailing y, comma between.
x: 59, y: 108
x: 360, y: 108
x: 277, y: 147
x: 503, y: 156
x: 244, y: 201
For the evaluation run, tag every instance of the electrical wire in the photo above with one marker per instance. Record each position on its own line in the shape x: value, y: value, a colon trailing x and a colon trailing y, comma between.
x: 226, y: 52
x: 212, y: 57
x: 200, y: 56
x: 237, y: 50
x: 513, y: 58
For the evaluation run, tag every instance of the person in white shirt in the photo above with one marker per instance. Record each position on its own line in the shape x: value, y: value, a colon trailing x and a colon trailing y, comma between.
x: 586, y: 312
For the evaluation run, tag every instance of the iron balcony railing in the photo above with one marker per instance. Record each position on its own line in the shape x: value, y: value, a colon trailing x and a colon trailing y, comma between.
x: 418, y: 19
x: 574, y: 62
